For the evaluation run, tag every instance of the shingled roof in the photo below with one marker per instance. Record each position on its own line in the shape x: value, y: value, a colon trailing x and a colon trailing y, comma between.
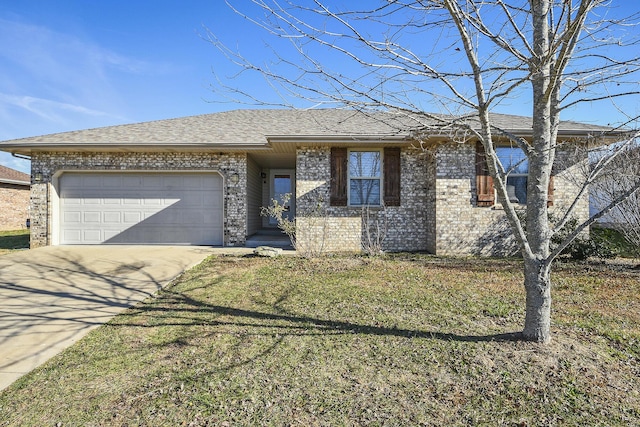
x: 12, y: 176
x: 253, y: 129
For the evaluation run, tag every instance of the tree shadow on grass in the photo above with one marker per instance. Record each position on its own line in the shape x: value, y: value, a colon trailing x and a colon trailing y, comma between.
x: 189, y: 312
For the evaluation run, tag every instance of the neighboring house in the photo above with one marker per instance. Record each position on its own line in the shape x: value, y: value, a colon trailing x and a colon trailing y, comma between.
x: 620, y: 175
x: 14, y: 199
x: 202, y: 181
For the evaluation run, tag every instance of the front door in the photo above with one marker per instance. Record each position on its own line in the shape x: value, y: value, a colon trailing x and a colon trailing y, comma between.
x: 283, y: 182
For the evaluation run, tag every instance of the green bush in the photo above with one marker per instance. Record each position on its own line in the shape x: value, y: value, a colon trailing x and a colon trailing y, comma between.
x: 583, y: 247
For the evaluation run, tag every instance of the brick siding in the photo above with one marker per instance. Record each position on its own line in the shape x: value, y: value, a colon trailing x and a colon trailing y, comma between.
x: 14, y: 206
x: 346, y: 228
x: 438, y: 211
x: 464, y: 228
x: 48, y: 165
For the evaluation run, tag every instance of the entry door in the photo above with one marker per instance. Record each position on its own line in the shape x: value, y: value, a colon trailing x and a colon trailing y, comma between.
x: 283, y: 182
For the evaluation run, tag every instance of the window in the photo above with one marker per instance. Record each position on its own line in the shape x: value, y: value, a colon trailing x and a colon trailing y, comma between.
x: 364, y: 178
x: 516, y: 165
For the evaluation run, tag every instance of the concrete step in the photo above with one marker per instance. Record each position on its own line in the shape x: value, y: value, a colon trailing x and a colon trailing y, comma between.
x: 274, y: 238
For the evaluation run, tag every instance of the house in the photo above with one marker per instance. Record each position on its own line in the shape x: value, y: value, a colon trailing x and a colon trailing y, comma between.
x: 14, y: 199
x: 621, y: 175
x: 202, y: 180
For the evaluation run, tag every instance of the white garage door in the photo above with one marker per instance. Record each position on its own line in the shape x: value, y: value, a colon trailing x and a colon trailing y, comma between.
x: 141, y: 208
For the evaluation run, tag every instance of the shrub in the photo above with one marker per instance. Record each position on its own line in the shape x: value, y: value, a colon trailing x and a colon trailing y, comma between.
x: 583, y: 247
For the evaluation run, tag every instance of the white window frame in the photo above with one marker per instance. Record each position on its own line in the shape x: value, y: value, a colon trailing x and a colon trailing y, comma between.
x: 379, y: 178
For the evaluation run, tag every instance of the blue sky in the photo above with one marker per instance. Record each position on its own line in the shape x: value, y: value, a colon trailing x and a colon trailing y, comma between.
x: 68, y: 65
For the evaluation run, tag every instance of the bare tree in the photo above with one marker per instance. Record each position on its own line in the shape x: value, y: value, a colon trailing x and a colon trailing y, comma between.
x: 464, y: 58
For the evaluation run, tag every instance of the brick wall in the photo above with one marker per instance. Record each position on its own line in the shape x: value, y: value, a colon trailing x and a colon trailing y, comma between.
x: 14, y: 206
x: 463, y: 228
x: 438, y: 209
x: 320, y: 226
x: 430, y: 208
x: 47, y: 165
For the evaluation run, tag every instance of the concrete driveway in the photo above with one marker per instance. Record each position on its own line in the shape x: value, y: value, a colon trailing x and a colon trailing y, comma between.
x: 51, y: 297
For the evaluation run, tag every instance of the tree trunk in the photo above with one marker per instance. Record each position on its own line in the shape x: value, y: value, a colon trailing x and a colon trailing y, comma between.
x: 537, y: 283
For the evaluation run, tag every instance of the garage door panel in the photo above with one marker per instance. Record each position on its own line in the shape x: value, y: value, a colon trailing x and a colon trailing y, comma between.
x: 131, y: 201
x: 112, y: 200
x: 91, y: 217
x: 72, y: 235
x: 151, y: 208
x: 92, y: 235
x: 71, y: 217
x: 112, y: 217
x: 108, y: 235
x: 210, y: 198
x: 193, y: 199
x: 174, y: 181
x: 212, y: 218
x: 89, y: 181
x: 73, y: 181
x: 152, y: 203
x: 73, y: 201
x: 165, y: 217
x: 195, y: 182
x: 131, y: 217
x: 132, y: 180
x: 111, y: 181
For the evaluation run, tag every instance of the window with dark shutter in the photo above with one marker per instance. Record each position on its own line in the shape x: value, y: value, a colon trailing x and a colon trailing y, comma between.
x: 339, y: 177
x: 392, y: 176
x: 484, y: 181
x: 516, y: 163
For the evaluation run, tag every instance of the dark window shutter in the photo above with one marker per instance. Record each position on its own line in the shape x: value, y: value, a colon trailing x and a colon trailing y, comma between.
x: 484, y: 181
x: 339, y: 177
x: 550, y: 192
x: 392, y: 176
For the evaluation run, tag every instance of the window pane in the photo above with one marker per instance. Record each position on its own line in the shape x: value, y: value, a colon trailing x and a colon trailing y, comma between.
x: 513, y: 157
x: 364, y: 163
x: 364, y: 192
x: 282, y: 184
x: 517, y: 189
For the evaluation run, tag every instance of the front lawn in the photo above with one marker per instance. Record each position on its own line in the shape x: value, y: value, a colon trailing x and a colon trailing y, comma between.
x: 401, y: 341
x: 13, y: 240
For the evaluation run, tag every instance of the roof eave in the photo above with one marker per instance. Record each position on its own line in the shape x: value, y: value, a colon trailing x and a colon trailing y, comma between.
x: 29, y: 148
x: 14, y: 182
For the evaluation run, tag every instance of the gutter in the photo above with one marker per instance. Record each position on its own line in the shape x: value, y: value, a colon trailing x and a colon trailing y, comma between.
x: 22, y: 150
x: 14, y: 182
x: 21, y: 156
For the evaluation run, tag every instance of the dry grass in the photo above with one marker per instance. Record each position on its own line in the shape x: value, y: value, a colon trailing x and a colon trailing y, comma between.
x: 402, y: 340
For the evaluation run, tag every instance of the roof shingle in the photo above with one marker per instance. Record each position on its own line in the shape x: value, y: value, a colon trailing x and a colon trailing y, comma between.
x: 252, y: 127
x: 12, y: 176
